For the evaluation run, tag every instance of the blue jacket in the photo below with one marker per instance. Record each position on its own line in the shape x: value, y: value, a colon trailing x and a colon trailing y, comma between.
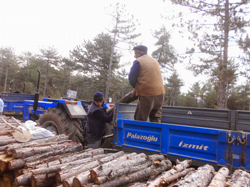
x: 134, y: 73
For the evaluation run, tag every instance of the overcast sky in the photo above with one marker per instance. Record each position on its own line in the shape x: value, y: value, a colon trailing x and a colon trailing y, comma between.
x: 28, y: 25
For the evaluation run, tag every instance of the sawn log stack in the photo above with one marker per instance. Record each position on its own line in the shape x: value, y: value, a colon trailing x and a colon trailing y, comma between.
x: 57, y: 161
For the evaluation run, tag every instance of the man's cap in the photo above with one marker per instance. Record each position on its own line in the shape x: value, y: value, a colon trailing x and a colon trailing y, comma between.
x: 98, y: 96
x: 141, y: 48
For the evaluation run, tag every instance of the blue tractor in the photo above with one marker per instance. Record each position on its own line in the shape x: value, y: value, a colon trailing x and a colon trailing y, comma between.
x: 61, y: 116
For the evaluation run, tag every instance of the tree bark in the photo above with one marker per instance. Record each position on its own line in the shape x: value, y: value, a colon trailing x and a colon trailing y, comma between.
x: 104, y: 171
x: 62, y: 175
x: 178, y: 168
x: 23, y: 179
x: 220, y: 178
x: 7, y: 141
x: 81, y: 179
x: 9, y: 150
x: 239, y: 178
x: 82, y: 155
x: 68, y: 182
x: 19, y: 163
x: 201, y: 177
x: 175, y: 176
x: 43, y: 180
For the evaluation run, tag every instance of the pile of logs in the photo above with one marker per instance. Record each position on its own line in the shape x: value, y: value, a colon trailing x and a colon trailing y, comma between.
x: 59, y: 162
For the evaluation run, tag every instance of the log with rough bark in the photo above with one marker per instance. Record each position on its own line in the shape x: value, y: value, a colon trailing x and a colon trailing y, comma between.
x: 58, y: 167
x: 125, y: 179
x: 104, y: 171
x: 62, y: 175
x: 201, y: 177
x: 112, y: 157
x: 220, y: 178
x: 19, y: 163
x: 139, y: 175
x: 176, y: 176
x: 160, y: 167
x: 68, y: 182
x: 27, y: 152
x: 23, y: 179
x: 156, y: 157
x: 43, y: 180
x: 7, y: 141
x: 33, y: 164
x: 239, y: 178
x: 82, y: 155
x: 81, y: 179
x: 178, y: 168
x: 9, y: 150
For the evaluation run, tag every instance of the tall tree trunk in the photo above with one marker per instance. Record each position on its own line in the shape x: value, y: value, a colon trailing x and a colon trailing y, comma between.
x: 46, y: 79
x: 6, y: 77
x: 223, y: 84
x: 110, y: 65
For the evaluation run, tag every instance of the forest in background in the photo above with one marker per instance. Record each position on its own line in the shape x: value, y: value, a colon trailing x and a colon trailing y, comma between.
x: 95, y: 65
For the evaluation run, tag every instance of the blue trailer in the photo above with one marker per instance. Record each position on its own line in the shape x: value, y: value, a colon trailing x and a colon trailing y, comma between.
x: 217, y: 137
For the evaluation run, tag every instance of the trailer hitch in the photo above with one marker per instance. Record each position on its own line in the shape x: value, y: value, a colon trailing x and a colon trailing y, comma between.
x: 243, y: 140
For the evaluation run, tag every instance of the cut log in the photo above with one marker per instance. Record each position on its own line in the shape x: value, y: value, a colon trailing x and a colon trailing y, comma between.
x: 19, y: 163
x: 156, y: 157
x: 81, y: 179
x: 80, y: 169
x: 43, y: 180
x: 16, y: 164
x: 68, y: 149
x: 178, y: 168
x: 82, y: 155
x: 128, y: 170
x: 239, y: 178
x: 68, y: 182
x: 160, y: 167
x: 27, y: 152
x: 137, y: 176
x: 7, y: 141
x: 201, y: 177
x: 23, y: 179
x: 175, y: 176
x: 220, y: 178
x: 31, y: 143
x: 44, y: 160
x: 4, y: 160
x: 112, y: 157
x: 104, y: 171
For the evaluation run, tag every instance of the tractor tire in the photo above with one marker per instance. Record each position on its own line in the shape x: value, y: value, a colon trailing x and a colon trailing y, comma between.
x: 57, y: 120
x: 107, y: 142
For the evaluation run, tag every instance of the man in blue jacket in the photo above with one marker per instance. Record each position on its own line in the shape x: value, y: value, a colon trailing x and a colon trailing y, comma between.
x: 96, y: 121
x: 145, y: 77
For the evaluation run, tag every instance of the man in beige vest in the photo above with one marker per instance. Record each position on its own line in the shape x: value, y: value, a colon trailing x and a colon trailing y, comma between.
x: 145, y: 78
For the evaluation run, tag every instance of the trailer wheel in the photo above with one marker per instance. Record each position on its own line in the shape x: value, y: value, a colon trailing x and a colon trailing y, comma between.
x: 57, y: 120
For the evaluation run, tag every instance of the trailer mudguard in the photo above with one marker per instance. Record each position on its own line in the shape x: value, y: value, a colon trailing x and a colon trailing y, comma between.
x: 220, y: 147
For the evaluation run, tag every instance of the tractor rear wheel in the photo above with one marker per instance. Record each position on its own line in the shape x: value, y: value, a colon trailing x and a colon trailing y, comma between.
x: 57, y: 120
